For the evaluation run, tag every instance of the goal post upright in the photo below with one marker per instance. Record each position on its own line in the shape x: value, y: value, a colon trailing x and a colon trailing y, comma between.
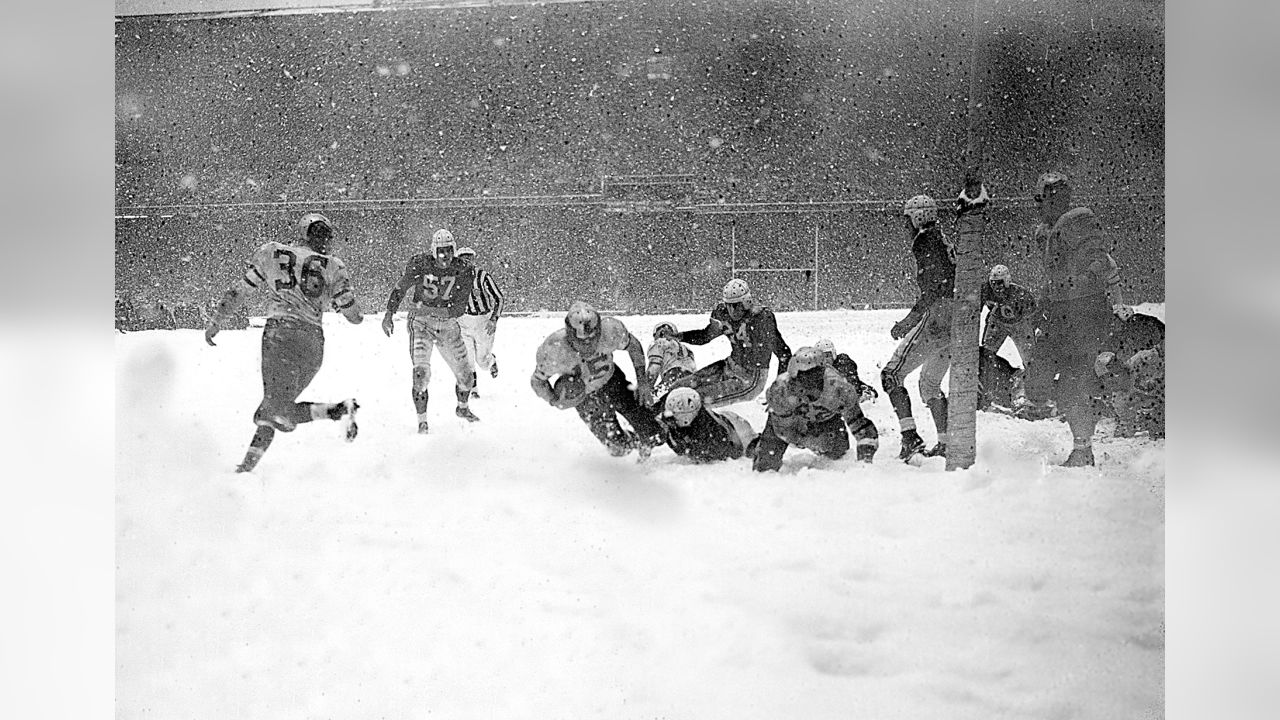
x: 962, y: 406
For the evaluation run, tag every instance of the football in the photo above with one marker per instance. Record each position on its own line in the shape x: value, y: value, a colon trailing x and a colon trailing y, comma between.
x: 570, y: 389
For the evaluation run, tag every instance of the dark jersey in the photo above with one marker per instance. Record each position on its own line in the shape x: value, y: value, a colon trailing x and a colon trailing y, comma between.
x: 1139, y: 332
x: 436, y: 291
x: 1009, y: 306
x: 753, y: 339
x: 935, y: 267
x: 708, y: 438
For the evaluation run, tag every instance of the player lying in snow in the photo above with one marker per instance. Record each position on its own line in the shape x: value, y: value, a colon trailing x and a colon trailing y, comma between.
x: 704, y: 435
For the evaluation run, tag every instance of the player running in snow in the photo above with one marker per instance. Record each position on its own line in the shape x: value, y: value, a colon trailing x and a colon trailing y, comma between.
x: 300, y: 281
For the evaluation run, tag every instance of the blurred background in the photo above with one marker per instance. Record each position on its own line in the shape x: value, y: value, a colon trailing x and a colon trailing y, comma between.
x: 635, y: 154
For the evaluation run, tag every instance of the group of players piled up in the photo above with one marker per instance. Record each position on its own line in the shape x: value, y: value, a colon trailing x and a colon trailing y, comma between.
x: 1084, y: 352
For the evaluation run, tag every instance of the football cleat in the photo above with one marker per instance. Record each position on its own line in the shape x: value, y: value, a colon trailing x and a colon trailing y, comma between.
x: 493, y: 367
x: 939, y: 450
x: 911, y: 445
x: 465, y: 413
x: 349, y: 418
x: 422, y: 427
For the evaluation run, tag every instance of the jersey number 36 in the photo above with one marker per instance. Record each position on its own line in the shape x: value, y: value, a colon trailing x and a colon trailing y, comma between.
x: 312, y: 275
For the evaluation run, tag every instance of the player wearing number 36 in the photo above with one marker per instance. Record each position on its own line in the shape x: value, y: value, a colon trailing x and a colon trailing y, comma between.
x: 580, y: 358
x: 438, y: 285
x: 300, y: 281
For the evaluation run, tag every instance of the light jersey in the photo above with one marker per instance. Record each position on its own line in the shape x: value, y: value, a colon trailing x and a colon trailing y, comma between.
x: 667, y: 353
x: 555, y: 357
x: 299, y: 283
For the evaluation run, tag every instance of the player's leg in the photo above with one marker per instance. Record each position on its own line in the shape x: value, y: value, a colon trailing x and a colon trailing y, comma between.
x: 454, y: 352
x: 743, y: 434
x: 769, y: 449
x: 600, y: 417
x: 865, y: 435
x: 906, y: 357
x: 931, y: 374
x: 619, y: 398
x: 420, y: 344
x: 736, y: 385
x: 1080, y: 389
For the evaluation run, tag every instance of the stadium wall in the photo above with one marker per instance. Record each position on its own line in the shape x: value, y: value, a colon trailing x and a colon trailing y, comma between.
x: 797, y: 124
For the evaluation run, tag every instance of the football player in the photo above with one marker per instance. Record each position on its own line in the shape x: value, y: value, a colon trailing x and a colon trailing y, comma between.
x: 810, y: 406
x: 924, y: 335
x: 583, y: 350
x: 1081, y: 294
x: 438, y: 286
x: 300, y: 281
x: 704, y: 435
x: 866, y: 435
x: 752, y: 331
x: 667, y: 358
x: 1011, y: 313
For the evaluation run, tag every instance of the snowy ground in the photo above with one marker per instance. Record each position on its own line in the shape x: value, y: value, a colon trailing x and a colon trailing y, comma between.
x: 512, y: 569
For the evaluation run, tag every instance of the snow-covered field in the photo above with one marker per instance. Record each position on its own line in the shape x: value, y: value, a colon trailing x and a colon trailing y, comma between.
x: 512, y: 569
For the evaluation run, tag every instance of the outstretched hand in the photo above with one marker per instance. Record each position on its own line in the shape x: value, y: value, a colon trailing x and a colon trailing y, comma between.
x: 210, y: 331
x: 388, y: 324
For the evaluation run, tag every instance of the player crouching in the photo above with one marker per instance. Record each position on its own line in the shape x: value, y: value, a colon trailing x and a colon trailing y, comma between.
x: 809, y: 407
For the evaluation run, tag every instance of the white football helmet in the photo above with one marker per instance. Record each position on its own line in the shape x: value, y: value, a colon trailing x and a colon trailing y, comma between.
x: 683, y: 405
x: 582, y: 326
x: 922, y: 210
x: 827, y: 348
x: 736, y: 291
x: 442, y: 239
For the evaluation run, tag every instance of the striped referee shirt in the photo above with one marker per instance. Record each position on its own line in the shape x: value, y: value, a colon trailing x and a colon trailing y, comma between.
x: 486, y: 298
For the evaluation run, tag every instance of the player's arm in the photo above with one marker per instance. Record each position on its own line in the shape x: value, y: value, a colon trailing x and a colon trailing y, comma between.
x: 644, y: 386
x: 714, y: 329
x: 541, y: 384
x: 344, y: 298
x: 780, y: 347
x: 397, y: 295
x: 233, y: 298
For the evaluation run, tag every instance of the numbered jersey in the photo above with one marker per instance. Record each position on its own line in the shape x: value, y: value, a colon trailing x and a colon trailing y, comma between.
x: 436, y: 291
x: 753, y: 338
x: 555, y: 357
x: 1010, y: 306
x: 298, y: 282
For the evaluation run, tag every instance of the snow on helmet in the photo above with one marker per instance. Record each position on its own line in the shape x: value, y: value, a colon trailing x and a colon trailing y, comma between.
x: 736, y: 291
x: 827, y: 348
x: 315, y: 231
x: 683, y: 404
x: 999, y: 273
x: 806, y: 358
x: 664, y: 329
x: 922, y: 210
x: 442, y: 239
x: 582, y: 326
